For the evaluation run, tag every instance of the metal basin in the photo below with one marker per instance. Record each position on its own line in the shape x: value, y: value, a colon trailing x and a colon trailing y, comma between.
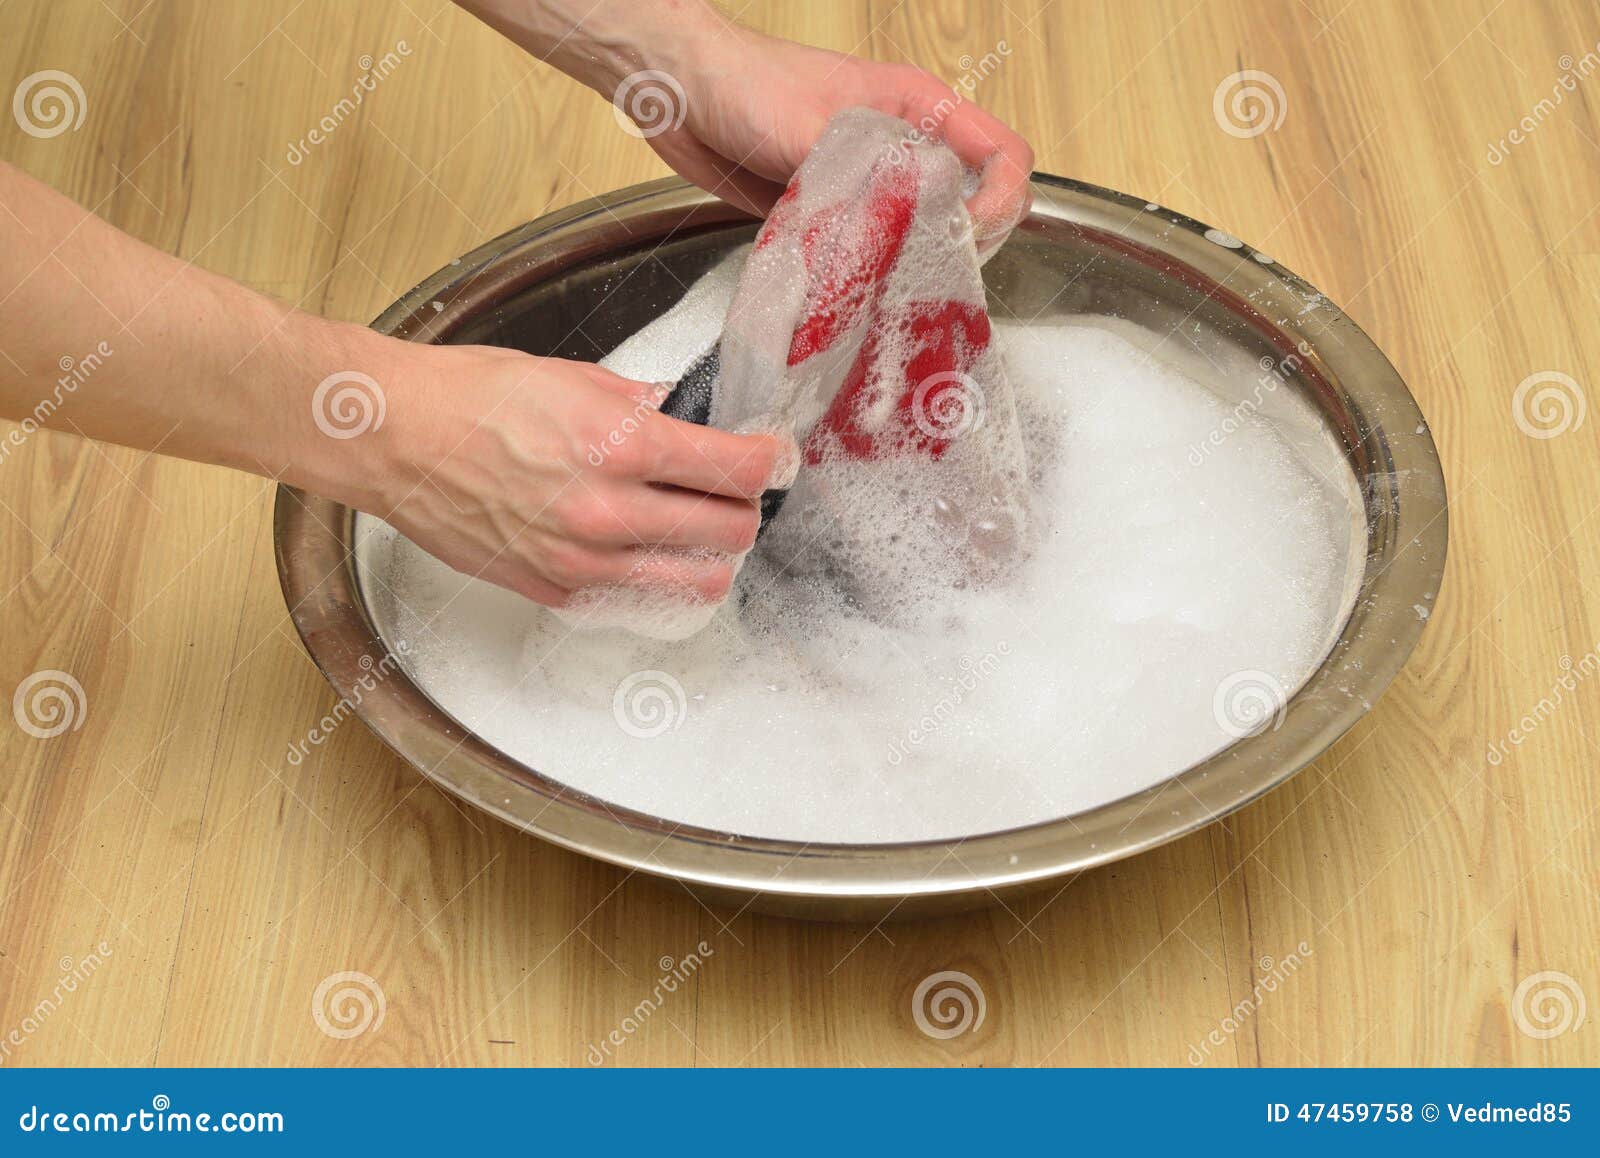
x: 1241, y: 323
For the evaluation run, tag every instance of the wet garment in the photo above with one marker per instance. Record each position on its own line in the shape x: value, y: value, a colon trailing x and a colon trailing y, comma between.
x: 859, y: 328
x: 859, y: 325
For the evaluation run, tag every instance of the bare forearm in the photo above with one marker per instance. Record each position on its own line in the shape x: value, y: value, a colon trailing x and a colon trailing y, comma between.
x: 109, y: 338
x: 599, y: 44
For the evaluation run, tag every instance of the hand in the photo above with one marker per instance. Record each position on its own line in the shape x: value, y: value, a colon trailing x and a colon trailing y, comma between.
x: 547, y: 476
x: 754, y: 105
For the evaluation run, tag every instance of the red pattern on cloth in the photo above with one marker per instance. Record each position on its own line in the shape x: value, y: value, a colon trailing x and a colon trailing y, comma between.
x: 947, y: 336
x: 844, y: 288
x: 859, y: 328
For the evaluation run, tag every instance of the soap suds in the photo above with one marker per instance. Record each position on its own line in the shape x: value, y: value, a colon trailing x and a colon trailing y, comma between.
x: 804, y: 712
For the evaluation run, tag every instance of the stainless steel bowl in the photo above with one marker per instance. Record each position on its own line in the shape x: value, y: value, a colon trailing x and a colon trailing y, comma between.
x: 1194, y: 293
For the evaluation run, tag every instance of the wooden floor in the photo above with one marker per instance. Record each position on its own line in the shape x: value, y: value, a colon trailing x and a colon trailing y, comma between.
x: 211, y: 887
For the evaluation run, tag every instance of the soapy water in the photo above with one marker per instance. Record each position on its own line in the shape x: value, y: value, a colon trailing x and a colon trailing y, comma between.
x: 1164, y: 608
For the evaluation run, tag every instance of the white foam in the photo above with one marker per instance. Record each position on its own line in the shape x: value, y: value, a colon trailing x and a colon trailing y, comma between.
x: 1093, y: 670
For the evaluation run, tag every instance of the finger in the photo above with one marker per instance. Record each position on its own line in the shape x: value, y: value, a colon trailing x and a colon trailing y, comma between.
x: 634, y: 515
x: 509, y: 567
x: 696, y: 575
x: 691, y: 575
x: 515, y: 577
x: 1004, y: 162
x: 703, y: 458
x: 651, y: 394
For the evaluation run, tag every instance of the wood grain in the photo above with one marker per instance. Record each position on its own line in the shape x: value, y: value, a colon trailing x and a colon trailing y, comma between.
x: 1425, y: 882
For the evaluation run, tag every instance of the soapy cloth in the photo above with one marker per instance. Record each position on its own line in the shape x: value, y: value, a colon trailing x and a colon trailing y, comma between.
x: 859, y: 329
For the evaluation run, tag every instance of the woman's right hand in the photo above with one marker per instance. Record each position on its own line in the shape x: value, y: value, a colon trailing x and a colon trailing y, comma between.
x: 546, y: 476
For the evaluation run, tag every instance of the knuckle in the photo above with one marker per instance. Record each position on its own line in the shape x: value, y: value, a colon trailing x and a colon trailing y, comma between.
x: 624, y: 448
x: 765, y: 462
x: 566, y: 510
x: 588, y: 448
x: 751, y: 475
x: 590, y: 520
x: 660, y: 443
x: 566, y: 566
x: 926, y: 82
x: 543, y: 593
x: 745, y: 464
x: 522, y: 578
x: 609, y: 439
x: 632, y: 452
x: 717, y: 581
x: 741, y: 530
